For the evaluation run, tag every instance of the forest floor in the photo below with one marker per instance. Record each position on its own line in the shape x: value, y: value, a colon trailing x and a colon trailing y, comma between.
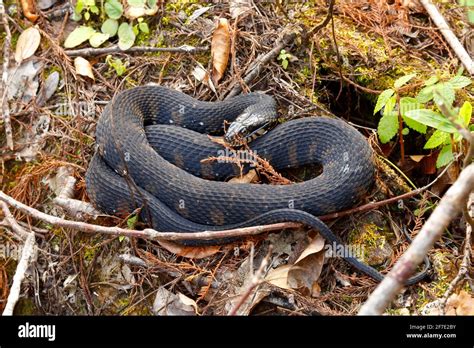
x: 326, y: 62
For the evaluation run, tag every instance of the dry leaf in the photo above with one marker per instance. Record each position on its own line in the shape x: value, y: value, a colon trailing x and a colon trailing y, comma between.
x: 168, y: 304
x: 460, y: 304
x: 220, y: 50
x: 29, y: 10
x: 27, y: 44
x: 305, y: 272
x: 239, y: 7
x: 192, y: 252
x: 251, y: 176
x: 83, y: 67
x: 202, y: 75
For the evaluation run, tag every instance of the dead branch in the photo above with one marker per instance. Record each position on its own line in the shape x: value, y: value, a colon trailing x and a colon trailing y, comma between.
x: 452, y: 203
x: 27, y: 254
x: 88, y: 52
x: 148, y: 233
x: 448, y: 34
x: 3, y: 87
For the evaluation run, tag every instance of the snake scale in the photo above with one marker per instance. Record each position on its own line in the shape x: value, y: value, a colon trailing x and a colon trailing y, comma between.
x: 150, y: 140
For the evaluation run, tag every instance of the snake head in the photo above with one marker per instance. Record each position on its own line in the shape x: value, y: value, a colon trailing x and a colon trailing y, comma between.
x: 249, y: 125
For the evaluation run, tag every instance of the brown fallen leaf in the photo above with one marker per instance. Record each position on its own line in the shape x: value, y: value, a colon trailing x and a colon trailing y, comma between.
x: 83, y: 67
x: 29, y: 10
x: 192, y: 252
x: 220, y: 50
x: 27, y: 44
x: 202, y: 75
x: 305, y: 272
x: 460, y: 304
x: 251, y: 176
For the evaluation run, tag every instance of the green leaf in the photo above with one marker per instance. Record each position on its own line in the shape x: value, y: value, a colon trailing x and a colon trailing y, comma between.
x: 87, y: 15
x: 284, y: 63
x: 126, y: 36
x: 459, y: 82
x: 437, y: 138
x: 405, y: 131
x: 444, y: 93
x: 390, y: 105
x: 98, y: 39
x: 94, y: 9
x: 135, y: 29
x: 388, y: 127
x: 121, y: 238
x: 78, y: 36
x: 110, y: 26
x: 445, y: 156
x: 403, y: 80
x: 383, y: 99
x: 432, y: 119
x: 136, y: 3
x: 431, y: 81
x: 152, y: 3
x: 114, y: 9
x: 426, y: 94
x: 131, y: 222
x: 407, y: 104
x: 465, y: 113
x: 117, y: 64
x: 79, y: 6
x: 144, y: 27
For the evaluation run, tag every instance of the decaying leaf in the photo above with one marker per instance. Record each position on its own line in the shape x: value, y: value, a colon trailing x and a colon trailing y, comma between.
x: 305, y: 272
x: 239, y: 7
x: 83, y: 67
x: 197, y: 252
x: 23, y: 81
x: 251, y: 176
x: 460, y: 304
x: 220, y: 50
x: 48, y: 88
x: 168, y: 304
x: 29, y: 10
x: 27, y: 44
x: 202, y: 75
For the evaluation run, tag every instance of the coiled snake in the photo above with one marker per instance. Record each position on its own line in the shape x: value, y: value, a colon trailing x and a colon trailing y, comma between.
x: 147, y: 134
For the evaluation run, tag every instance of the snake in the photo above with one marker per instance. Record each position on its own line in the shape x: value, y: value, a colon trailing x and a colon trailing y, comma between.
x: 151, y: 141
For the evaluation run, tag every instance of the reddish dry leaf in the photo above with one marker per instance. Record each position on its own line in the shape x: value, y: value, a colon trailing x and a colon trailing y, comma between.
x: 251, y: 176
x: 189, y: 251
x: 220, y: 50
x: 29, y: 10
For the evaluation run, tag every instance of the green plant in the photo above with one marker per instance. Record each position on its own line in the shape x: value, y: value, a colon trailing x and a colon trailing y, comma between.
x: 117, y: 64
x: 125, y: 23
x: 285, y: 57
x: 424, y: 111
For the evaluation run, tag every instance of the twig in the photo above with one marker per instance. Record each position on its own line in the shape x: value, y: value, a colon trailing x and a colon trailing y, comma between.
x: 27, y: 254
x: 3, y: 87
x: 148, y: 233
x: 448, y: 208
x: 255, y: 69
x: 448, y: 34
x: 256, y: 279
x: 325, y: 21
x: 84, y: 52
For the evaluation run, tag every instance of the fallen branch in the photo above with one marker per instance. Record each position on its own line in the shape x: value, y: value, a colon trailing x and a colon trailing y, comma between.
x: 27, y: 254
x: 148, y: 233
x: 452, y: 203
x: 4, y: 83
x: 87, y: 52
x: 448, y: 34
x: 255, y: 69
